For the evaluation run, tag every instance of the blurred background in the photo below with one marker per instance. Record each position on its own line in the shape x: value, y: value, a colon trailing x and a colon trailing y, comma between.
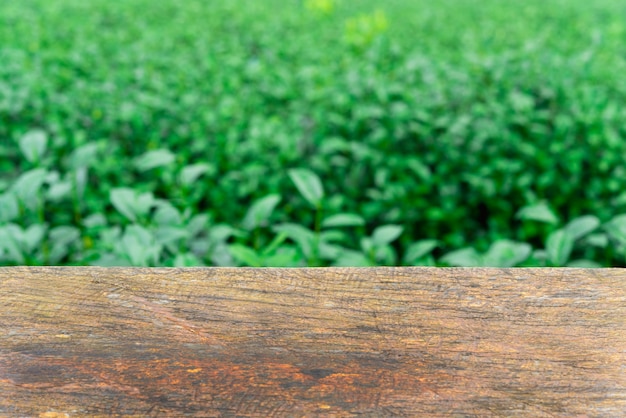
x: 313, y: 133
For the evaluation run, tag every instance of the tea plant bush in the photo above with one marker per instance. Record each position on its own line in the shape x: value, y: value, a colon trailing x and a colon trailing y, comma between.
x: 318, y: 132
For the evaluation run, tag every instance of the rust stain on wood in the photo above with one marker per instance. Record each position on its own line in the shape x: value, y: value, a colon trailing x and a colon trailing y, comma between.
x: 312, y: 342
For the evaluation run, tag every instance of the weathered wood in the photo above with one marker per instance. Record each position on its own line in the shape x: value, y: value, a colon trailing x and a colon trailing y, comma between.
x: 309, y: 342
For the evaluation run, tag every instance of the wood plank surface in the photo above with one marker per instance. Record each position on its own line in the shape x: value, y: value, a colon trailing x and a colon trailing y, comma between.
x: 395, y: 342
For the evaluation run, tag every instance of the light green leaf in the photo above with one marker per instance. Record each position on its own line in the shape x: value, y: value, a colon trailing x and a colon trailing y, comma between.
x: 9, y: 208
x: 559, y: 247
x: 600, y: 240
x: 80, y: 178
x: 221, y: 233
x: 584, y: 264
x: 506, y: 253
x: 540, y: 212
x: 342, y: 220
x: 300, y: 235
x: 32, y: 237
x: 154, y: 159
x: 187, y: 260
x: 245, y: 255
x: 275, y: 245
x: 33, y: 145
x: 465, y: 257
x: 59, y: 190
x: 61, y: 237
x: 84, y: 156
x: 167, y: 214
x: 418, y: 250
x: 28, y: 186
x: 616, y: 228
x: 11, y: 237
x: 139, y: 246
x: 284, y: 257
x: 191, y: 173
x: 308, y: 184
x: 329, y: 251
x: 386, y: 234
x: 579, y: 227
x: 419, y: 168
x: 95, y: 220
x: 350, y: 258
x: 64, y: 235
x: 168, y: 234
x: 198, y: 224
x: 131, y: 204
x: 259, y: 213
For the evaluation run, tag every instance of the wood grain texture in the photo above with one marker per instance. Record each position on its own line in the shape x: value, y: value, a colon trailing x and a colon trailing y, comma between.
x: 312, y: 342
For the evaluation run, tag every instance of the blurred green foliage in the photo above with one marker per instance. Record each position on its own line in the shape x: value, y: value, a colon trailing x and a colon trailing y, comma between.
x: 317, y: 132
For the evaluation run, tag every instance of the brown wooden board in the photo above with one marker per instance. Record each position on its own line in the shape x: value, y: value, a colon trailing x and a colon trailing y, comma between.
x: 312, y: 342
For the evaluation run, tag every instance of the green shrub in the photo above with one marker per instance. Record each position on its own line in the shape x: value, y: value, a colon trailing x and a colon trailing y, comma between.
x: 312, y: 133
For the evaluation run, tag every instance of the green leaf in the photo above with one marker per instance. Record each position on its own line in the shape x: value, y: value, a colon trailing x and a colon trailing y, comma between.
x: 84, y: 156
x: 616, y: 228
x: 386, y: 234
x: 198, y: 224
x: 540, y: 212
x: 61, y: 238
x: 342, y: 220
x: 154, y: 159
x: 131, y: 204
x: 11, y: 244
x: 597, y: 240
x: 33, y: 145
x: 9, y: 208
x: 191, y: 173
x: 506, y: 253
x: 300, y: 235
x: 187, y: 260
x: 80, y: 178
x: 168, y: 234
x: 259, y: 213
x: 465, y: 257
x: 28, y: 186
x: 95, y: 220
x: 308, y: 184
x: 275, y: 244
x: 32, y: 237
x: 351, y: 258
x: 139, y: 246
x: 418, y: 250
x: 559, y: 247
x: 59, y: 190
x: 329, y: 251
x: 64, y: 235
x: 284, y: 257
x: 245, y: 255
x: 579, y: 227
x: 419, y: 168
x: 584, y: 264
x: 167, y: 214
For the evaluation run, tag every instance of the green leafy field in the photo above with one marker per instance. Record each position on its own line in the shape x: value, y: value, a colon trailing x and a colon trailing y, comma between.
x: 313, y: 132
